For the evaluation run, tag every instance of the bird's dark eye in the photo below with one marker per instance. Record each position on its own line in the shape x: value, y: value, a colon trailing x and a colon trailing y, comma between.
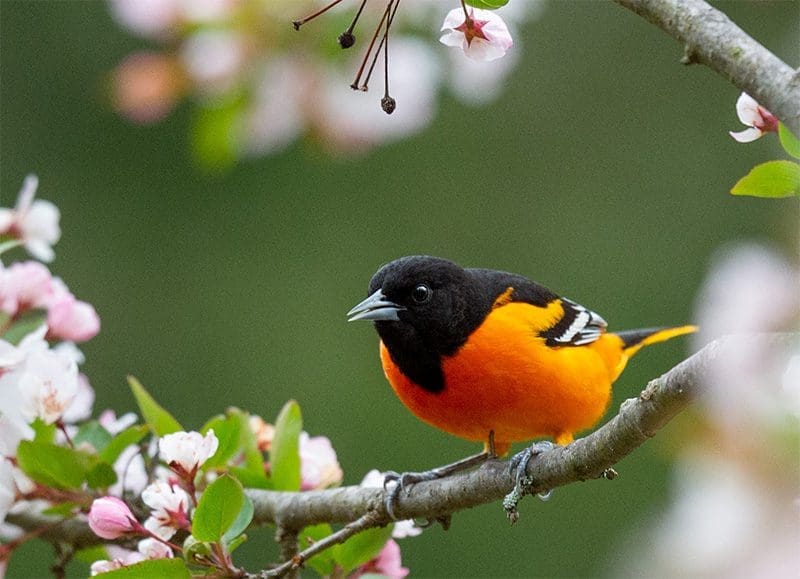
x: 421, y: 294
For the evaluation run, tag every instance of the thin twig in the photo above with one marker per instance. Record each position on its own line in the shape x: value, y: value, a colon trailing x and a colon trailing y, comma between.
x: 367, y: 521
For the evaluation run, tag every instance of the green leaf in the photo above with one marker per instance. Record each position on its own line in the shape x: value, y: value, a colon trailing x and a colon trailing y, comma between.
x: 487, y: 4
x: 27, y: 323
x: 217, y: 509
x: 160, y: 421
x: 236, y: 543
x: 361, y: 548
x: 240, y: 523
x: 771, y: 179
x: 53, y: 465
x: 94, y: 434
x: 161, y: 568
x: 7, y: 245
x: 61, y: 510
x: 323, y: 563
x: 253, y: 459
x: 227, y: 429
x: 285, y: 453
x: 251, y: 480
x: 89, y: 555
x: 195, y: 551
x: 101, y: 475
x: 121, y: 441
x: 791, y: 144
x: 43, y: 432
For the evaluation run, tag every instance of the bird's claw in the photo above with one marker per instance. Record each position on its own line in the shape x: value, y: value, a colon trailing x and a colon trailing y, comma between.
x: 395, y: 483
x: 522, y: 482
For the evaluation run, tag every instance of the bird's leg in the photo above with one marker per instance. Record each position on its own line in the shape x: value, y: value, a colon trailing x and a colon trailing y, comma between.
x: 404, y: 480
x: 522, y: 482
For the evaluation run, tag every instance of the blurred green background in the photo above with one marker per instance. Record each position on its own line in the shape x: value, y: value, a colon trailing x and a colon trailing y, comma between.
x: 601, y: 172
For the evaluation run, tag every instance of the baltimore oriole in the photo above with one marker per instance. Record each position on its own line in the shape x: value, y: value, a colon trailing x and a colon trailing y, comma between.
x: 477, y: 352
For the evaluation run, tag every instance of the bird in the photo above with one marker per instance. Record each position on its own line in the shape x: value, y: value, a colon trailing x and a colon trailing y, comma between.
x: 493, y: 357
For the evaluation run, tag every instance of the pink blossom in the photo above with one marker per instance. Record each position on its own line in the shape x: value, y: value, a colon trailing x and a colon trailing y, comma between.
x: 170, y: 509
x: 263, y: 431
x: 23, y: 286
x: 154, y: 549
x: 319, y: 466
x: 120, y: 558
x: 482, y: 35
x: 386, y: 564
x: 72, y: 319
x: 43, y: 384
x: 185, y: 452
x: 110, y: 518
x: 146, y: 86
x: 35, y: 223
x: 752, y: 114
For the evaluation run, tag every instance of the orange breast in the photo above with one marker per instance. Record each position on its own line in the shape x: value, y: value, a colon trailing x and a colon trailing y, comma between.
x: 507, y: 380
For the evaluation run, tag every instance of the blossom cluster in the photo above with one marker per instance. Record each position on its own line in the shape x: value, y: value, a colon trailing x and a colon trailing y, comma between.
x: 144, y: 489
x: 257, y: 86
x: 40, y: 321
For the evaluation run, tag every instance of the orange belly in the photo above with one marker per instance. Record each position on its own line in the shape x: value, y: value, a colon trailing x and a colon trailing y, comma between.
x: 506, y: 380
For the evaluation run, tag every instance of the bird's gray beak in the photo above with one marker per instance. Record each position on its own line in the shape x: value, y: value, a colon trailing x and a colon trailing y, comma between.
x: 375, y: 307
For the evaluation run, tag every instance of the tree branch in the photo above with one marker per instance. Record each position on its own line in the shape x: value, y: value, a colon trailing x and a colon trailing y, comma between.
x: 588, y: 458
x: 711, y: 38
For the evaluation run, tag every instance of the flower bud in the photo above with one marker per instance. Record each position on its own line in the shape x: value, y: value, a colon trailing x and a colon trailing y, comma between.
x: 110, y: 518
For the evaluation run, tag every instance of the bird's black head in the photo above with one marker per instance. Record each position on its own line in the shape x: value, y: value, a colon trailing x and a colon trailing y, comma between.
x: 423, y: 308
x: 422, y: 303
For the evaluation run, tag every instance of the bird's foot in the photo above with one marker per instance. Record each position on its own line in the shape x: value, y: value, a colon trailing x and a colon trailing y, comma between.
x: 522, y: 482
x: 395, y: 483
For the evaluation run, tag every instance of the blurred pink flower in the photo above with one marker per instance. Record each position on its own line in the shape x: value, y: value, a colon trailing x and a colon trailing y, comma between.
x: 72, y: 319
x: 214, y: 59
x: 149, y: 18
x: 263, y: 431
x: 34, y: 222
x: 29, y: 285
x: 146, y: 86
x: 387, y: 564
x: 318, y: 463
x: 752, y: 114
x: 220, y: 50
x: 110, y: 518
x: 24, y: 285
x: 734, y: 511
x: 483, y: 35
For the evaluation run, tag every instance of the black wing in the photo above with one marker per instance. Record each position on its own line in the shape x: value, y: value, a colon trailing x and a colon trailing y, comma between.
x: 579, y: 326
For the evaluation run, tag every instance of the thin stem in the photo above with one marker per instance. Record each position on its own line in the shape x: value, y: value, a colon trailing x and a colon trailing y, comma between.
x: 355, y: 86
x: 384, y: 39
x: 298, y: 23
x: 366, y: 521
x: 466, y: 14
x: 355, y: 18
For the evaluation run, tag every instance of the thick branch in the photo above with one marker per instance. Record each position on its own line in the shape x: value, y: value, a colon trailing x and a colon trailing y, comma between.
x: 711, y: 38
